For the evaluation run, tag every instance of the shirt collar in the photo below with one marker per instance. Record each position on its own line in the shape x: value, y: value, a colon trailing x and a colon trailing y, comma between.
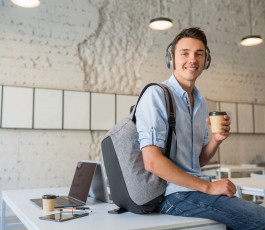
x: 180, y: 91
x: 196, y: 93
x: 176, y: 86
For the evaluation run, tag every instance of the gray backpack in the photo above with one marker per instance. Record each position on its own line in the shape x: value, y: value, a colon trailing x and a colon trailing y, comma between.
x: 132, y: 187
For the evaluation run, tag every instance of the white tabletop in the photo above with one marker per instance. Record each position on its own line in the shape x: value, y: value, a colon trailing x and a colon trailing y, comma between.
x: 249, y: 185
x: 211, y: 166
x: 240, y: 168
x: 29, y: 213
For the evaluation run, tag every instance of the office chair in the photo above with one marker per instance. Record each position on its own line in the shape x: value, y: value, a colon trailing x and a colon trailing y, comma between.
x: 239, y: 195
x: 256, y: 175
x: 260, y: 160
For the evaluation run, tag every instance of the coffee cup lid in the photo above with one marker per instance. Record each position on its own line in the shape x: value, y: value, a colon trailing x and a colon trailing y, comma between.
x: 49, y: 196
x: 217, y: 113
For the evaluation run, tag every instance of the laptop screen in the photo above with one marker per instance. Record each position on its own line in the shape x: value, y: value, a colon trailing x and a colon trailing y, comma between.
x: 82, y: 180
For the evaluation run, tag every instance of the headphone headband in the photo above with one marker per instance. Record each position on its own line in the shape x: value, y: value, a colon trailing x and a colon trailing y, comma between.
x: 168, y: 47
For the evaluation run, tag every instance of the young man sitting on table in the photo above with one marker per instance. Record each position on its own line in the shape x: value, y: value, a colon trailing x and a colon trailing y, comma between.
x: 188, y: 192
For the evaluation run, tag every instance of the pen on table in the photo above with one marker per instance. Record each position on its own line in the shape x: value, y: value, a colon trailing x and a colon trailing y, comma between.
x: 76, y: 209
x: 82, y: 208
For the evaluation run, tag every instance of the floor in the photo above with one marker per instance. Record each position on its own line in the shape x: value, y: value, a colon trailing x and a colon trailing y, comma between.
x: 12, y: 219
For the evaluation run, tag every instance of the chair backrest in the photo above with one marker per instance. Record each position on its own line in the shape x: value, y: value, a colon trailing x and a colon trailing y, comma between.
x: 260, y: 160
x: 255, y: 175
x: 238, y: 192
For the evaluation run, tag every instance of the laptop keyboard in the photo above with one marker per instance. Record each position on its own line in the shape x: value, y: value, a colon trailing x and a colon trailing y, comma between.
x: 66, y: 201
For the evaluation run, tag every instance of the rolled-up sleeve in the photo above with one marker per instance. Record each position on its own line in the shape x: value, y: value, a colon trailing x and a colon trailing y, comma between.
x: 151, y: 118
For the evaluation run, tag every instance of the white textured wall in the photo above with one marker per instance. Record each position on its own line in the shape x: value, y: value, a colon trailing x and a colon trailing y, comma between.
x: 107, y: 46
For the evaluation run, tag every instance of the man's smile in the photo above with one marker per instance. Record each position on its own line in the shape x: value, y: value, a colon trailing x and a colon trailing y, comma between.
x: 191, y: 68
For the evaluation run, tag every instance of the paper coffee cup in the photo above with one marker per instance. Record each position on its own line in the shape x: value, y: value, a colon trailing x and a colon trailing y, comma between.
x: 216, y: 118
x: 48, y: 202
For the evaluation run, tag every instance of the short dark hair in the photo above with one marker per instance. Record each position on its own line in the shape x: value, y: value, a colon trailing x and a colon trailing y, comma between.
x: 193, y: 32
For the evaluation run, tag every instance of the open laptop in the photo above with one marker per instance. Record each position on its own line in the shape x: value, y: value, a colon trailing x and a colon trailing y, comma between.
x: 79, y: 189
x: 98, y: 189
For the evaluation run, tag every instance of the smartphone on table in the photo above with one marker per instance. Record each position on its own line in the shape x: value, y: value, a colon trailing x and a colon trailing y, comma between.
x: 60, y: 217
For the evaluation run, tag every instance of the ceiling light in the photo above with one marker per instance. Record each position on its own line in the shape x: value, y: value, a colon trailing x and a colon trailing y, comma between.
x: 160, y: 23
x: 251, y: 40
x: 26, y: 3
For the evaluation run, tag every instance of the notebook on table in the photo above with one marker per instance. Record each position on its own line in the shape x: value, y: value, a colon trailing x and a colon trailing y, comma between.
x: 79, y: 189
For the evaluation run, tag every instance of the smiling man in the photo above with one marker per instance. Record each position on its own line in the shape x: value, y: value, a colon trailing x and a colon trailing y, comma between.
x: 188, y: 192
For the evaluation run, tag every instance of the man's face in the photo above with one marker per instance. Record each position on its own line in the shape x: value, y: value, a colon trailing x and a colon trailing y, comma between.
x: 189, y: 59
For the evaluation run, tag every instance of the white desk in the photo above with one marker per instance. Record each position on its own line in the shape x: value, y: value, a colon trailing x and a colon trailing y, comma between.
x: 211, y: 166
x: 28, y: 213
x: 240, y: 168
x: 250, y: 186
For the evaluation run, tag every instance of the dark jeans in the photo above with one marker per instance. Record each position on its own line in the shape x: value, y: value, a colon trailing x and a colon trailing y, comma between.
x: 234, y: 212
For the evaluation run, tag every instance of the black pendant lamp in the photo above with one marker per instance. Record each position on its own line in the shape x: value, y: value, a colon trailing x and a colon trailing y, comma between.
x: 160, y: 23
x: 251, y: 40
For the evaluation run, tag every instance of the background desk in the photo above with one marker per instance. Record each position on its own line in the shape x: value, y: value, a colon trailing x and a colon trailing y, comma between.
x: 28, y: 213
x: 211, y: 170
x: 250, y: 186
x: 240, y: 168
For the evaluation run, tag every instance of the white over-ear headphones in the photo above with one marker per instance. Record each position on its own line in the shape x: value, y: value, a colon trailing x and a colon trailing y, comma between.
x: 170, y: 61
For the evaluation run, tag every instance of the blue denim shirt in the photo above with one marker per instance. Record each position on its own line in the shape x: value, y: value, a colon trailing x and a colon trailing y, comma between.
x: 191, y: 127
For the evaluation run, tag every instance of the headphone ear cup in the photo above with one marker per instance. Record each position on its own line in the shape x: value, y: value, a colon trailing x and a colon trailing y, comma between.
x: 208, y: 59
x: 169, y: 60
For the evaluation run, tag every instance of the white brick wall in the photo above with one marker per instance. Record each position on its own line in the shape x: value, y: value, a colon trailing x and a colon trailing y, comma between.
x: 107, y: 46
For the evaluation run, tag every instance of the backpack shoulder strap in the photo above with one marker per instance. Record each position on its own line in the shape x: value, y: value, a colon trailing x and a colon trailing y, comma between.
x: 171, y: 112
x: 171, y: 118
